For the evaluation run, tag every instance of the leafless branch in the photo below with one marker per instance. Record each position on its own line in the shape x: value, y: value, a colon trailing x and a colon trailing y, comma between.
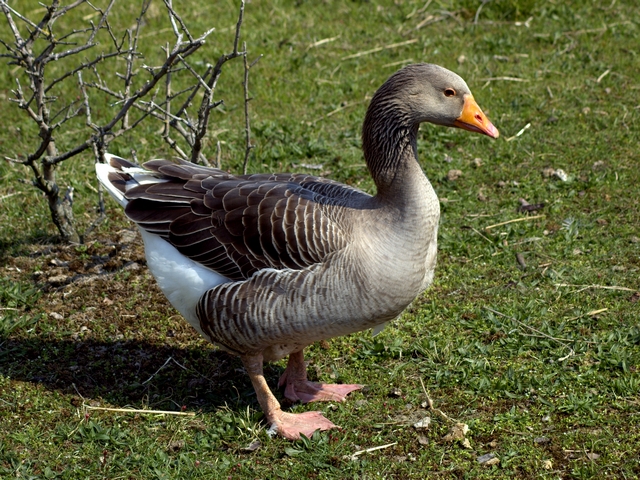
x: 50, y: 104
x: 247, y: 125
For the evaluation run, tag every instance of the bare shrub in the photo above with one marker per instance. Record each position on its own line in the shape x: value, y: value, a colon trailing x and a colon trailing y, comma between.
x: 64, y: 71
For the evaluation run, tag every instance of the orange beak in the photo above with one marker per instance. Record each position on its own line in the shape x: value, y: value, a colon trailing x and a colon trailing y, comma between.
x: 474, y: 120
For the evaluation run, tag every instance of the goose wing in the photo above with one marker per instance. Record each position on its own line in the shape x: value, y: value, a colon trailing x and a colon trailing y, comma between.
x: 237, y: 225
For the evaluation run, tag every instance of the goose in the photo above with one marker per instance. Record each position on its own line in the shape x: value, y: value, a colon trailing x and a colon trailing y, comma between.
x: 264, y: 265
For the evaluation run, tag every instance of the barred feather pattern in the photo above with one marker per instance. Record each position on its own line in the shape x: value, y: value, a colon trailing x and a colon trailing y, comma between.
x: 299, y: 258
x: 238, y: 225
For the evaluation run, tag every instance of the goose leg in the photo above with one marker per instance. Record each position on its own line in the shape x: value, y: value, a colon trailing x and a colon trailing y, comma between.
x: 298, y: 388
x: 289, y: 425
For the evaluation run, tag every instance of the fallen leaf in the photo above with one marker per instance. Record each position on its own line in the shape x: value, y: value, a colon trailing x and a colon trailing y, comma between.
x: 454, y: 174
x: 456, y: 432
x: 253, y: 446
x: 176, y: 446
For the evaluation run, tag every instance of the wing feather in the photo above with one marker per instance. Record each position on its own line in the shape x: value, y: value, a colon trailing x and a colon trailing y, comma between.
x: 237, y: 225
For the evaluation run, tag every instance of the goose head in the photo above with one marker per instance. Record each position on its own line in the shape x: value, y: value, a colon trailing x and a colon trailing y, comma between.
x: 429, y: 93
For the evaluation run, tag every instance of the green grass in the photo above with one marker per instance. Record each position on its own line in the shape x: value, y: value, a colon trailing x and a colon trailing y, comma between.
x: 541, y: 362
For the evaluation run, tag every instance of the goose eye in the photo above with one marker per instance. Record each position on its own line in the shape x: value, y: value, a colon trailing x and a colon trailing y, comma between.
x: 449, y: 92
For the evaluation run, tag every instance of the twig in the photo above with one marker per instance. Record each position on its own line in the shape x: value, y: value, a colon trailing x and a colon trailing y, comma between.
x: 378, y: 49
x: 218, y: 154
x: 507, y: 79
x: 372, y: 449
x: 589, y: 314
x: 482, y: 4
x: 515, y: 220
x: 606, y: 72
x: 247, y: 125
x: 522, y: 130
x: 601, y: 287
x: 322, y: 42
x: 207, y: 104
x: 430, y: 404
x: 571, y: 351
x: 163, y: 365
x: 135, y: 410
x: 483, y: 236
x: 9, y: 195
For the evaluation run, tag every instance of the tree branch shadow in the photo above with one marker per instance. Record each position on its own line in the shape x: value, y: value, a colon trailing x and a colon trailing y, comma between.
x: 131, y: 373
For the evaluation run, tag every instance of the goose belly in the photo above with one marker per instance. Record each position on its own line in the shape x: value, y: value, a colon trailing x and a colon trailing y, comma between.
x: 182, y: 280
x: 277, y: 312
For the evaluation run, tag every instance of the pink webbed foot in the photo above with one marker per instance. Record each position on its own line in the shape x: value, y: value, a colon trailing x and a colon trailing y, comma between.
x: 298, y: 388
x: 292, y: 425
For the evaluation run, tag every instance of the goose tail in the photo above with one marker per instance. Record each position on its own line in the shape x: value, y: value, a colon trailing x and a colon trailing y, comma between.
x: 118, y: 175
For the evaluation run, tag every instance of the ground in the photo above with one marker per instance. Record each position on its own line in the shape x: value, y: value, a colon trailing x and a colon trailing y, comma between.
x: 529, y: 335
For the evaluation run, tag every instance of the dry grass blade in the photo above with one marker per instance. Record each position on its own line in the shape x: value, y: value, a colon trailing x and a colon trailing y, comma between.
x: 378, y: 49
x: 137, y: 410
x: 515, y: 220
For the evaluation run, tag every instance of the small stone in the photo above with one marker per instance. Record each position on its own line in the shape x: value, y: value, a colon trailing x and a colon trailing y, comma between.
x: 547, y: 464
x: 448, y: 158
x: 423, y: 440
x: 127, y: 236
x: 541, y: 440
x: 602, y: 221
x: 546, y: 418
x: 477, y: 162
x: 599, y: 165
x: 132, y: 267
x: 486, y: 458
x: 56, y: 316
x: 482, y: 197
x: 586, y: 110
x: 422, y: 424
x: 396, y: 392
x: 593, y: 456
x: 466, y: 444
x: 548, y: 172
x: 58, y: 280
x: 461, y: 59
x: 561, y: 174
x: 634, y: 239
x: 493, y: 444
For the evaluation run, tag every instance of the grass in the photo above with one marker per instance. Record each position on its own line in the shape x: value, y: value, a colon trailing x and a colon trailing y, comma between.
x: 540, y: 361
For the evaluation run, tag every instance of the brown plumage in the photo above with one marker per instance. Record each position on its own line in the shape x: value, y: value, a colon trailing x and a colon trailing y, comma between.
x: 263, y: 265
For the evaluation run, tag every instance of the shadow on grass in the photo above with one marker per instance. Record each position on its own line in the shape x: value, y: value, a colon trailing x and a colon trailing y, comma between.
x: 133, y: 374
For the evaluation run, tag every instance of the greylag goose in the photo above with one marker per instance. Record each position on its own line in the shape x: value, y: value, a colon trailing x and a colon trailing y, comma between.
x: 264, y: 265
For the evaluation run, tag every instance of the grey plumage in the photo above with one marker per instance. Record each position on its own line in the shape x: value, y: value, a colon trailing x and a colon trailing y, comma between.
x: 305, y: 258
